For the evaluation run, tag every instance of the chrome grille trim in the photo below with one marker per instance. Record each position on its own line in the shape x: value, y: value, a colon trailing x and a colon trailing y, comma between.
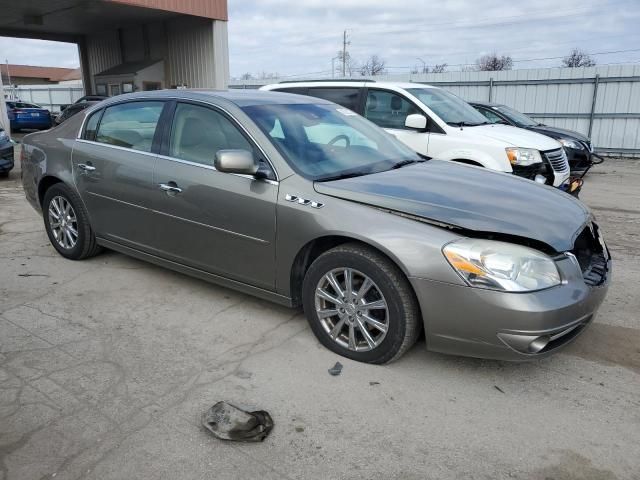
x: 558, y: 160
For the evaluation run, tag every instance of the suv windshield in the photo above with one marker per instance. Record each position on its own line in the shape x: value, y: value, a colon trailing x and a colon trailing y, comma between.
x: 520, y: 119
x: 451, y: 109
x: 327, y: 142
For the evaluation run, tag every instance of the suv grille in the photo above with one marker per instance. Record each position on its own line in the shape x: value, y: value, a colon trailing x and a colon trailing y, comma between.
x: 558, y: 160
x: 592, y: 255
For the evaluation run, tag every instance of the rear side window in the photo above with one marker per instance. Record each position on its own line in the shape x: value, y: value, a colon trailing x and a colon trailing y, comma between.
x: 388, y: 109
x: 297, y: 90
x: 92, y: 126
x: 347, y: 97
x: 131, y: 125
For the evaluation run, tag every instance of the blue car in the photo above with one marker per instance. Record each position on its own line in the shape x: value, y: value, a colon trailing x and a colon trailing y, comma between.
x: 28, y: 115
x: 6, y: 153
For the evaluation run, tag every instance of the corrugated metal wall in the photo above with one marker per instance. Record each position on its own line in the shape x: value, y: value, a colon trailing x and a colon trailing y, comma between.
x: 561, y: 97
x: 197, y: 56
x: 194, y: 49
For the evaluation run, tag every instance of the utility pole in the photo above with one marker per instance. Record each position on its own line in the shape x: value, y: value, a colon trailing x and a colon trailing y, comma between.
x: 344, y: 54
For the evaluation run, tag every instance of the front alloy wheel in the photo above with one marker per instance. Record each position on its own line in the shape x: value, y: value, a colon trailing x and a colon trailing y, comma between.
x: 352, y: 309
x: 360, y: 305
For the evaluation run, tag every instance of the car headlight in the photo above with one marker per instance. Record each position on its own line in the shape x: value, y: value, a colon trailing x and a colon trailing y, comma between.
x: 568, y: 143
x: 3, y: 135
x: 523, y: 156
x: 501, y: 266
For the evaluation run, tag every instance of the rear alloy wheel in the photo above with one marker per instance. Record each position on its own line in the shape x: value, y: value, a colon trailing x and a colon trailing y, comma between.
x: 67, y: 223
x: 360, y: 305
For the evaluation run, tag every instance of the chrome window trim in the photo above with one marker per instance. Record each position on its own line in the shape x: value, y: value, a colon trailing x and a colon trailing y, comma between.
x: 177, y: 99
x: 177, y: 160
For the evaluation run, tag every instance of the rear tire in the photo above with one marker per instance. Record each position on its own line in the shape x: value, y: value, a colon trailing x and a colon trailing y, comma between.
x: 67, y: 223
x: 347, y: 326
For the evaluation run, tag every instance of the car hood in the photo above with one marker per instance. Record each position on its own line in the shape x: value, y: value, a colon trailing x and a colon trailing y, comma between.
x: 514, y: 136
x: 556, y: 132
x: 471, y: 198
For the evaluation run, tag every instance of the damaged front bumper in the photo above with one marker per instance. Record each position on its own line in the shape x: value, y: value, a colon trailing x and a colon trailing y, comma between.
x: 477, y: 322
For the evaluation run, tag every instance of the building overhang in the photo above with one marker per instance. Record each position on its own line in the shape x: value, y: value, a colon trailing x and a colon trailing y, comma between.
x: 66, y: 20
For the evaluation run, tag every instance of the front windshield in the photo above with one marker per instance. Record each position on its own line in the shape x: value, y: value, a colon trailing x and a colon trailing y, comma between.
x: 520, y: 119
x: 450, y: 108
x: 323, y: 142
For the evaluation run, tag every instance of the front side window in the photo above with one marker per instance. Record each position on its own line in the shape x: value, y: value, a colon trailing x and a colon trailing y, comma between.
x: 490, y: 115
x: 347, y: 97
x: 199, y: 132
x: 131, y: 125
x: 450, y: 108
x: 388, y: 109
x: 323, y: 142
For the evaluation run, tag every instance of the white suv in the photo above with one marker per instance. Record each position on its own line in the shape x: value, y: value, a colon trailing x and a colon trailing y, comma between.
x: 440, y: 125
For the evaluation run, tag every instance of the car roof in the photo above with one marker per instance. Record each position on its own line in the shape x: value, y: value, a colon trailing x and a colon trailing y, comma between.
x: 352, y: 83
x: 240, y: 97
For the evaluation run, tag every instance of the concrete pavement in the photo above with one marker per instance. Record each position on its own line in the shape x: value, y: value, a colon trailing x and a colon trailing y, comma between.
x: 106, y: 366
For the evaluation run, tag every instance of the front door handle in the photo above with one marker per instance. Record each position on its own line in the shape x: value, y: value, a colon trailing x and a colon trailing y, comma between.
x: 86, y: 167
x: 170, y: 188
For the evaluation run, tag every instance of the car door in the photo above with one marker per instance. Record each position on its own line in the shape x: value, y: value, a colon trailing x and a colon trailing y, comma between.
x: 217, y: 222
x: 113, y: 170
x: 389, y: 110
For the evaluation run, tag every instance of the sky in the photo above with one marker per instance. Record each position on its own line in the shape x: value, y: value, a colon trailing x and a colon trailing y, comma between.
x: 298, y: 38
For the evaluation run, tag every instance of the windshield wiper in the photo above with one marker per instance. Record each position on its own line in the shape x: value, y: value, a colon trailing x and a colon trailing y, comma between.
x: 342, y: 176
x: 404, y: 163
x: 467, y: 124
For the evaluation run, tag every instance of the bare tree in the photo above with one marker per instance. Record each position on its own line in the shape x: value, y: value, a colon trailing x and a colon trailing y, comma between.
x: 439, y: 68
x: 578, y: 58
x: 350, y: 64
x: 493, y: 63
x: 246, y: 76
x: 373, y: 66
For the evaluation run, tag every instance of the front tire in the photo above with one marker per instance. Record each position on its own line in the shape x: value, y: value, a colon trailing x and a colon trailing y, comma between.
x: 360, y: 305
x: 67, y: 224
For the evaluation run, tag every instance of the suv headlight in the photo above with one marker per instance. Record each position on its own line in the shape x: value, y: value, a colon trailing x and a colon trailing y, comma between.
x: 568, y: 143
x: 502, y: 266
x: 523, y: 156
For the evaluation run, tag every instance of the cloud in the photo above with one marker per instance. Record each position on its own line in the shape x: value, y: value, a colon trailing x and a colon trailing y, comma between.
x: 292, y: 37
x: 295, y: 37
x: 39, y: 52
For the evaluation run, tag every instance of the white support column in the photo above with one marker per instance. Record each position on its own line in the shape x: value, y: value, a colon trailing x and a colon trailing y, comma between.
x: 4, y: 119
x: 220, y: 55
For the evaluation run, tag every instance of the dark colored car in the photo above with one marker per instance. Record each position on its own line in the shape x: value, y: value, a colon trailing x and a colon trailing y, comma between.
x: 300, y: 201
x: 71, y: 110
x: 578, y: 147
x: 6, y: 153
x: 28, y: 115
x: 85, y: 99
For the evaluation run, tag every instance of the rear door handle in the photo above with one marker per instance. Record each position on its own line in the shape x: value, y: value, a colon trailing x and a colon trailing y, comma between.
x: 86, y: 167
x: 167, y: 187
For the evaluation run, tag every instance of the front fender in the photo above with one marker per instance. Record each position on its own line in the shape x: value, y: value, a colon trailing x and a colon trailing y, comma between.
x: 415, y: 246
x: 492, y: 162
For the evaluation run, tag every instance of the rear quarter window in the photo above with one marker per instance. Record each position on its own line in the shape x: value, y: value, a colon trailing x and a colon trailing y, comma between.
x: 347, y: 97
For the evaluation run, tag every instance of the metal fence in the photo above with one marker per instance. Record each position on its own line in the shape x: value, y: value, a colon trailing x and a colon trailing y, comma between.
x: 50, y: 97
x: 601, y: 102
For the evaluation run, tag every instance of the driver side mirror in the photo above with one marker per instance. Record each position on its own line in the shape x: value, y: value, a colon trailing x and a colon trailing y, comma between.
x: 236, y: 161
x: 416, y: 122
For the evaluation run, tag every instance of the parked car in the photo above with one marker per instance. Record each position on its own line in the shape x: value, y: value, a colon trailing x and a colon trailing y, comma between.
x: 83, y: 100
x: 27, y: 115
x: 440, y: 125
x: 578, y: 147
x: 6, y: 153
x: 302, y: 202
x: 71, y: 110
